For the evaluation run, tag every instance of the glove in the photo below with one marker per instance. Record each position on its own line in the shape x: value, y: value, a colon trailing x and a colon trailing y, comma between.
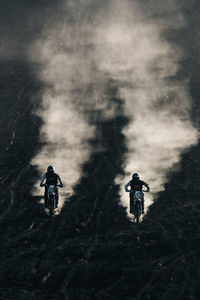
x: 61, y: 185
x: 42, y: 184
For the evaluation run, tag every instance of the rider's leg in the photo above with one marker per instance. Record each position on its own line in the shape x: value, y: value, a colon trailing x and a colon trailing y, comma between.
x: 57, y: 196
x: 45, y: 197
x: 131, y: 195
x: 142, y: 202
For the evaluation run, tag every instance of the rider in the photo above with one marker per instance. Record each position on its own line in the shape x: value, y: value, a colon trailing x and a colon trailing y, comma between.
x: 136, y: 185
x: 51, y: 179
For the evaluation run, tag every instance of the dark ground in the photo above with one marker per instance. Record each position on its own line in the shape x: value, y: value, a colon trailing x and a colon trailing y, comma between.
x: 91, y: 250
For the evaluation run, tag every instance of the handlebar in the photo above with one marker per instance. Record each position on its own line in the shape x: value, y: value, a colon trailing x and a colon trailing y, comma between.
x: 128, y: 191
x: 57, y: 185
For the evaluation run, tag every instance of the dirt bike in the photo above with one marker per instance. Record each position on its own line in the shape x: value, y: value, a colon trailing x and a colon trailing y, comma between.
x: 137, y: 204
x: 51, y: 198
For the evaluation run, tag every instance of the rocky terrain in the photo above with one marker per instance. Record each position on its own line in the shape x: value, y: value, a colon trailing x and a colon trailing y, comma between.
x: 91, y: 250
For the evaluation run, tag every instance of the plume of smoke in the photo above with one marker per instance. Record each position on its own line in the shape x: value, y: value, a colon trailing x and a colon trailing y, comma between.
x: 113, y: 40
x: 145, y: 65
x: 66, y: 77
x: 72, y: 88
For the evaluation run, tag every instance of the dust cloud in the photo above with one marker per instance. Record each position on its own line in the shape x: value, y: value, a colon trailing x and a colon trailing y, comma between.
x: 65, y: 132
x: 157, y: 103
x: 91, y: 44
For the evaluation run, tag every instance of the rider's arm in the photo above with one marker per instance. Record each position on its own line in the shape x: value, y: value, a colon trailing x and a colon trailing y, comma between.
x: 127, y: 185
x: 42, y: 180
x: 59, y: 179
x: 147, y: 186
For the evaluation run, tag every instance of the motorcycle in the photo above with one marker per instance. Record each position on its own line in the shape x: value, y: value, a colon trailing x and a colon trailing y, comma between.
x: 51, y: 204
x: 137, y: 204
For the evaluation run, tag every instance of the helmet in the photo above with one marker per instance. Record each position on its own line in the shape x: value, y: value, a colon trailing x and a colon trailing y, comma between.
x: 50, y: 169
x: 135, y: 176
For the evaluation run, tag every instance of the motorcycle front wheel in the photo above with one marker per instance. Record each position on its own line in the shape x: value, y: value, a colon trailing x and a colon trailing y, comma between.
x: 51, y: 205
x: 137, y: 213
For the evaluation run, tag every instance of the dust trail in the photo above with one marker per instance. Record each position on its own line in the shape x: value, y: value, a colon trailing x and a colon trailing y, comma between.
x: 91, y: 44
x: 72, y: 88
x: 65, y: 132
x: 158, y: 104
